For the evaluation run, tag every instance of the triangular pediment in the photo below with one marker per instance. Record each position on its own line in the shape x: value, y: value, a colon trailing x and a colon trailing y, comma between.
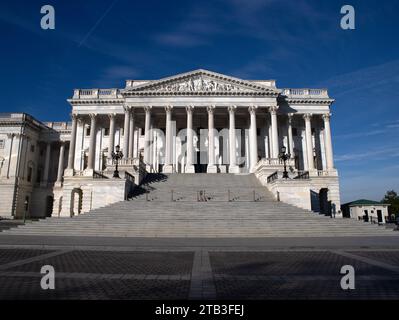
x: 202, y: 82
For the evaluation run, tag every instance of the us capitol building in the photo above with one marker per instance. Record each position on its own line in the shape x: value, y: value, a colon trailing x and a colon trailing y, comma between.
x: 194, y: 122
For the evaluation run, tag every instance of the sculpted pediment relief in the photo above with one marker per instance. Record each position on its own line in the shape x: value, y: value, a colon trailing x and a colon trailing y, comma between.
x: 202, y: 82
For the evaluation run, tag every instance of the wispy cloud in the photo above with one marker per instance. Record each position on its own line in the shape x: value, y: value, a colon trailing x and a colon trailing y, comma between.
x: 388, y: 152
x: 115, y: 75
x: 382, y: 128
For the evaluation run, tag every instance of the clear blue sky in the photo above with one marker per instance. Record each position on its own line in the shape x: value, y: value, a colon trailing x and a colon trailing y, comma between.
x: 299, y: 43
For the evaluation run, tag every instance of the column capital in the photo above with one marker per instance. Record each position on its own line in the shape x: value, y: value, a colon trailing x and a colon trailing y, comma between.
x: 74, y: 116
x: 190, y: 108
x: 290, y: 116
x: 232, y: 108
x: 147, y: 109
x: 10, y: 135
x: 273, y: 109
x: 126, y: 108
x: 92, y: 115
x: 112, y: 115
x: 326, y: 116
x: 252, y: 109
x: 211, y: 109
x: 307, y: 116
x: 168, y: 108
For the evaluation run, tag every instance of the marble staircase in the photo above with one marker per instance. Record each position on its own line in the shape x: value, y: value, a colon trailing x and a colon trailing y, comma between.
x: 200, y: 206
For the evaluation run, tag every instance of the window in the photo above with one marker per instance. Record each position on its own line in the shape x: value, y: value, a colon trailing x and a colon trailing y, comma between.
x: 294, y: 132
x: 29, y: 174
x: 39, y: 175
x: 87, y: 131
x: 106, y: 132
x: 2, y: 143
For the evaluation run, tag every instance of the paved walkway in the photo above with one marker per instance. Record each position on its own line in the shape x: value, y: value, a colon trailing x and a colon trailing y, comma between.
x: 115, y: 268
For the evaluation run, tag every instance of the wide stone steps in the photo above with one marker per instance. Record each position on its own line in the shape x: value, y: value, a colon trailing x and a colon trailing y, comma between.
x: 186, y: 217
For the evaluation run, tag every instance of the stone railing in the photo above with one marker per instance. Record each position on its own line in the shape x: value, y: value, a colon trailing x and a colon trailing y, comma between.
x: 274, y: 162
x: 99, y: 175
x: 306, y: 93
x: 95, y: 93
x: 322, y: 173
x: 272, y: 177
x: 302, y: 175
x: 129, y: 177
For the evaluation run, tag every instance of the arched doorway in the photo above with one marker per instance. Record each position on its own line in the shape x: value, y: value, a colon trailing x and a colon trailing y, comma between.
x: 49, y: 206
x: 76, y: 201
x: 324, y: 205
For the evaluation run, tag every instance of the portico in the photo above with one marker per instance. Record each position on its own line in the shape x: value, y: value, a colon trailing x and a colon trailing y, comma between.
x: 195, y: 122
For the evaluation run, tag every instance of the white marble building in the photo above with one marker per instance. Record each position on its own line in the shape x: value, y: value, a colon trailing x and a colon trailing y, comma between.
x: 199, y: 121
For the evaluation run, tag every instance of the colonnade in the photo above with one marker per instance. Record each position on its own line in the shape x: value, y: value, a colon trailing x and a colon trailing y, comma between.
x: 253, y: 111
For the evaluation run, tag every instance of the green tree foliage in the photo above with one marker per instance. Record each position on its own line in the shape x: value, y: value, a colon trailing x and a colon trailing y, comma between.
x: 392, y: 198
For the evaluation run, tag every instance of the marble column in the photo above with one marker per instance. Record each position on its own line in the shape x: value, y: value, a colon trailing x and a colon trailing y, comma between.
x: 290, y: 137
x: 132, y: 128
x: 253, y: 139
x: 92, y: 144
x: 60, y: 164
x: 275, y: 147
x: 168, y: 166
x: 147, y: 137
x: 328, y: 142
x: 190, y: 148
x: 46, y: 165
x: 233, y: 168
x: 125, y: 149
x: 72, y: 146
x: 111, y: 137
x: 211, y: 168
x: 309, y: 142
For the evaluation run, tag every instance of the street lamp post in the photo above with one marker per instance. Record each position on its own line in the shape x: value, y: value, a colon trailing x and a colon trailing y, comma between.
x: 116, y: 156
x: 284, y: 156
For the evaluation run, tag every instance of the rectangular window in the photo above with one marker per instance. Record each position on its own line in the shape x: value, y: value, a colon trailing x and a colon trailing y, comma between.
x: 87, y: 131
x: 294, y: 132
x: 106, y: 132
x: 29, y: 174
x: 2, y: 143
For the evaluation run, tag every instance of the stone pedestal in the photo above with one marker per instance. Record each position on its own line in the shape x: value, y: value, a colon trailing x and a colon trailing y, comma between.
x: 190, y: 168
x: 234, y: 169
x: 211, y: 168
x: 167, y: 168
x: 88, y: 172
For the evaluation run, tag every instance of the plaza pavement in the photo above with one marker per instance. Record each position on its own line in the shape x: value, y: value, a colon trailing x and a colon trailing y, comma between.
x: 184, y: 268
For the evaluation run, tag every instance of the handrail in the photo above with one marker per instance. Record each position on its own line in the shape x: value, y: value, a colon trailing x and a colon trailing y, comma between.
x: 273, y: 177
x: 302, y: 175
x: 129, y: 177
x: 99, y: 175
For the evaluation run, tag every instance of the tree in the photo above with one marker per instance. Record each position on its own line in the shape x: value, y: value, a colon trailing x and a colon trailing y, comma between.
x: 392, y: 198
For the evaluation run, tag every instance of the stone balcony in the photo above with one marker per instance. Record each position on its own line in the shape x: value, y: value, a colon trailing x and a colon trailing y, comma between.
x: 305, y: 93
x: 96, y: 94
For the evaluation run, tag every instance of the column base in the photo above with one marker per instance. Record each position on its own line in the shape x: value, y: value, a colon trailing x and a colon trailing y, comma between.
x: 211, y: 168
x: 234, y: 169
x: 69, y: 172
x: 167, y: 168
x: 58, y: 184
x: 190, y: 168
x: 88, y: 173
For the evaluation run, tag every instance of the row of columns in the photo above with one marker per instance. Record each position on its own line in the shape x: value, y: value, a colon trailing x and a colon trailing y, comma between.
x: 129, y: 128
